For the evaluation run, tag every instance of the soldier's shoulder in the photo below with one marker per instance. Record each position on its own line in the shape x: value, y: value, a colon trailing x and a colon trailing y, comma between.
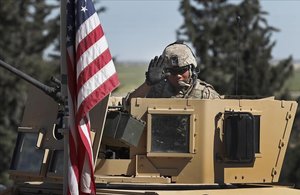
x: 206, y: 90
x: 204, y: 84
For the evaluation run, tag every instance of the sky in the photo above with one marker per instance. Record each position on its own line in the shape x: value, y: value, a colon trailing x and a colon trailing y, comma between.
x: 137, y: 30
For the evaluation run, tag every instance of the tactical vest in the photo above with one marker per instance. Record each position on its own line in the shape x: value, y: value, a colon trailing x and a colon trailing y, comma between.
x: 200, y: 90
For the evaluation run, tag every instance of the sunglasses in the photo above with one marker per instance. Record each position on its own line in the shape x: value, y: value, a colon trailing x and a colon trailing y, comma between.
x: 178, y: 70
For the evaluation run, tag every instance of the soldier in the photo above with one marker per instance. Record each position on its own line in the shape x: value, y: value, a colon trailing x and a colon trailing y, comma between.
x: 174, y: 74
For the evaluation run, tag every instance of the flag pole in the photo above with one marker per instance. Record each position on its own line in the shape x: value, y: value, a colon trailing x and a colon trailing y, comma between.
x: 64, y: 92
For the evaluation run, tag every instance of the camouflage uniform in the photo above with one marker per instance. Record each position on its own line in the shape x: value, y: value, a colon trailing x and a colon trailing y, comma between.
x: 176, y: 56
x: 203, y: 90
x: 200, y: 90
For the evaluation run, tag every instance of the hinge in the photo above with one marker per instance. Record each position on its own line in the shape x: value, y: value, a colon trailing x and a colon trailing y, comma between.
x: 288, y: 115
x: 281, y: 143
x: 274, y: 172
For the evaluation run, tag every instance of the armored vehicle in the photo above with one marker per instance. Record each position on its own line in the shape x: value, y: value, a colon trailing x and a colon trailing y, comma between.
x: 161, y: 146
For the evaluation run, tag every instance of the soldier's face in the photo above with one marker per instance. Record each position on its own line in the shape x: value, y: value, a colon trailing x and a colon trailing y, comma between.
x: 175, y: 78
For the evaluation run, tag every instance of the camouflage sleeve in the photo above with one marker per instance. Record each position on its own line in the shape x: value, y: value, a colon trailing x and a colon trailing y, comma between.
x: 210, y: 93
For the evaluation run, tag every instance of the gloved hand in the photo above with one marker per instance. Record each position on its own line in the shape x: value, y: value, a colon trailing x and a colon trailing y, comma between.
x: 155, y: 71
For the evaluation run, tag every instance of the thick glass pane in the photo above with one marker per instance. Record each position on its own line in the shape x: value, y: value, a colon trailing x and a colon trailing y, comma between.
x: 57, y: 162
x: 26, y: 156
x: 170, y: 133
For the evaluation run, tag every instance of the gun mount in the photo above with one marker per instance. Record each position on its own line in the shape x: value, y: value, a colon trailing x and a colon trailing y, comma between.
x: 53, y: 92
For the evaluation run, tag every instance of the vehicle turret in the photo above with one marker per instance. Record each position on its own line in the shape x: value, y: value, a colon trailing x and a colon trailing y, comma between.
x: 159, y: 145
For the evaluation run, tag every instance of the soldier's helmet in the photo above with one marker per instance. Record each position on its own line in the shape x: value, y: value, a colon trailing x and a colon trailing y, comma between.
x: 179, y: 54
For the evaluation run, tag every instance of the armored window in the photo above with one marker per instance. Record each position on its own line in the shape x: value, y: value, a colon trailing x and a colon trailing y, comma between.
x: 241, y: 136
x: 57, y: 162
x: 170, y: 133
x: 27, y: 157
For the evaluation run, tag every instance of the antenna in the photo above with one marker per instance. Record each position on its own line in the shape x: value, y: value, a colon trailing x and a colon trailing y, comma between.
x: 238, y: 20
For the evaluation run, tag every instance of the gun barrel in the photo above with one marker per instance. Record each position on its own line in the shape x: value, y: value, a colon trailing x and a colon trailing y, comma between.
x: 46, y: 89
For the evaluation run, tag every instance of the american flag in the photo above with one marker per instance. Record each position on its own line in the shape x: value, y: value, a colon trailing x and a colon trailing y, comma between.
x: 91, y: 77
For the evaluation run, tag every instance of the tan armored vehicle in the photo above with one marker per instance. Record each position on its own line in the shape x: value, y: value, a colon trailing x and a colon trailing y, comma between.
x: 161, y: 146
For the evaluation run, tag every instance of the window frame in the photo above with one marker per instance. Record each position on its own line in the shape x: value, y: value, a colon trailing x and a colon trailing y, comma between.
x: 170, y: 111
x: 42, y: 167
x: 256, y: 116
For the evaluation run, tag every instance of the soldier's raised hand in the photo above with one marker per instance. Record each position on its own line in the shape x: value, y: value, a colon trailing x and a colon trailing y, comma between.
x: 156, y: 71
